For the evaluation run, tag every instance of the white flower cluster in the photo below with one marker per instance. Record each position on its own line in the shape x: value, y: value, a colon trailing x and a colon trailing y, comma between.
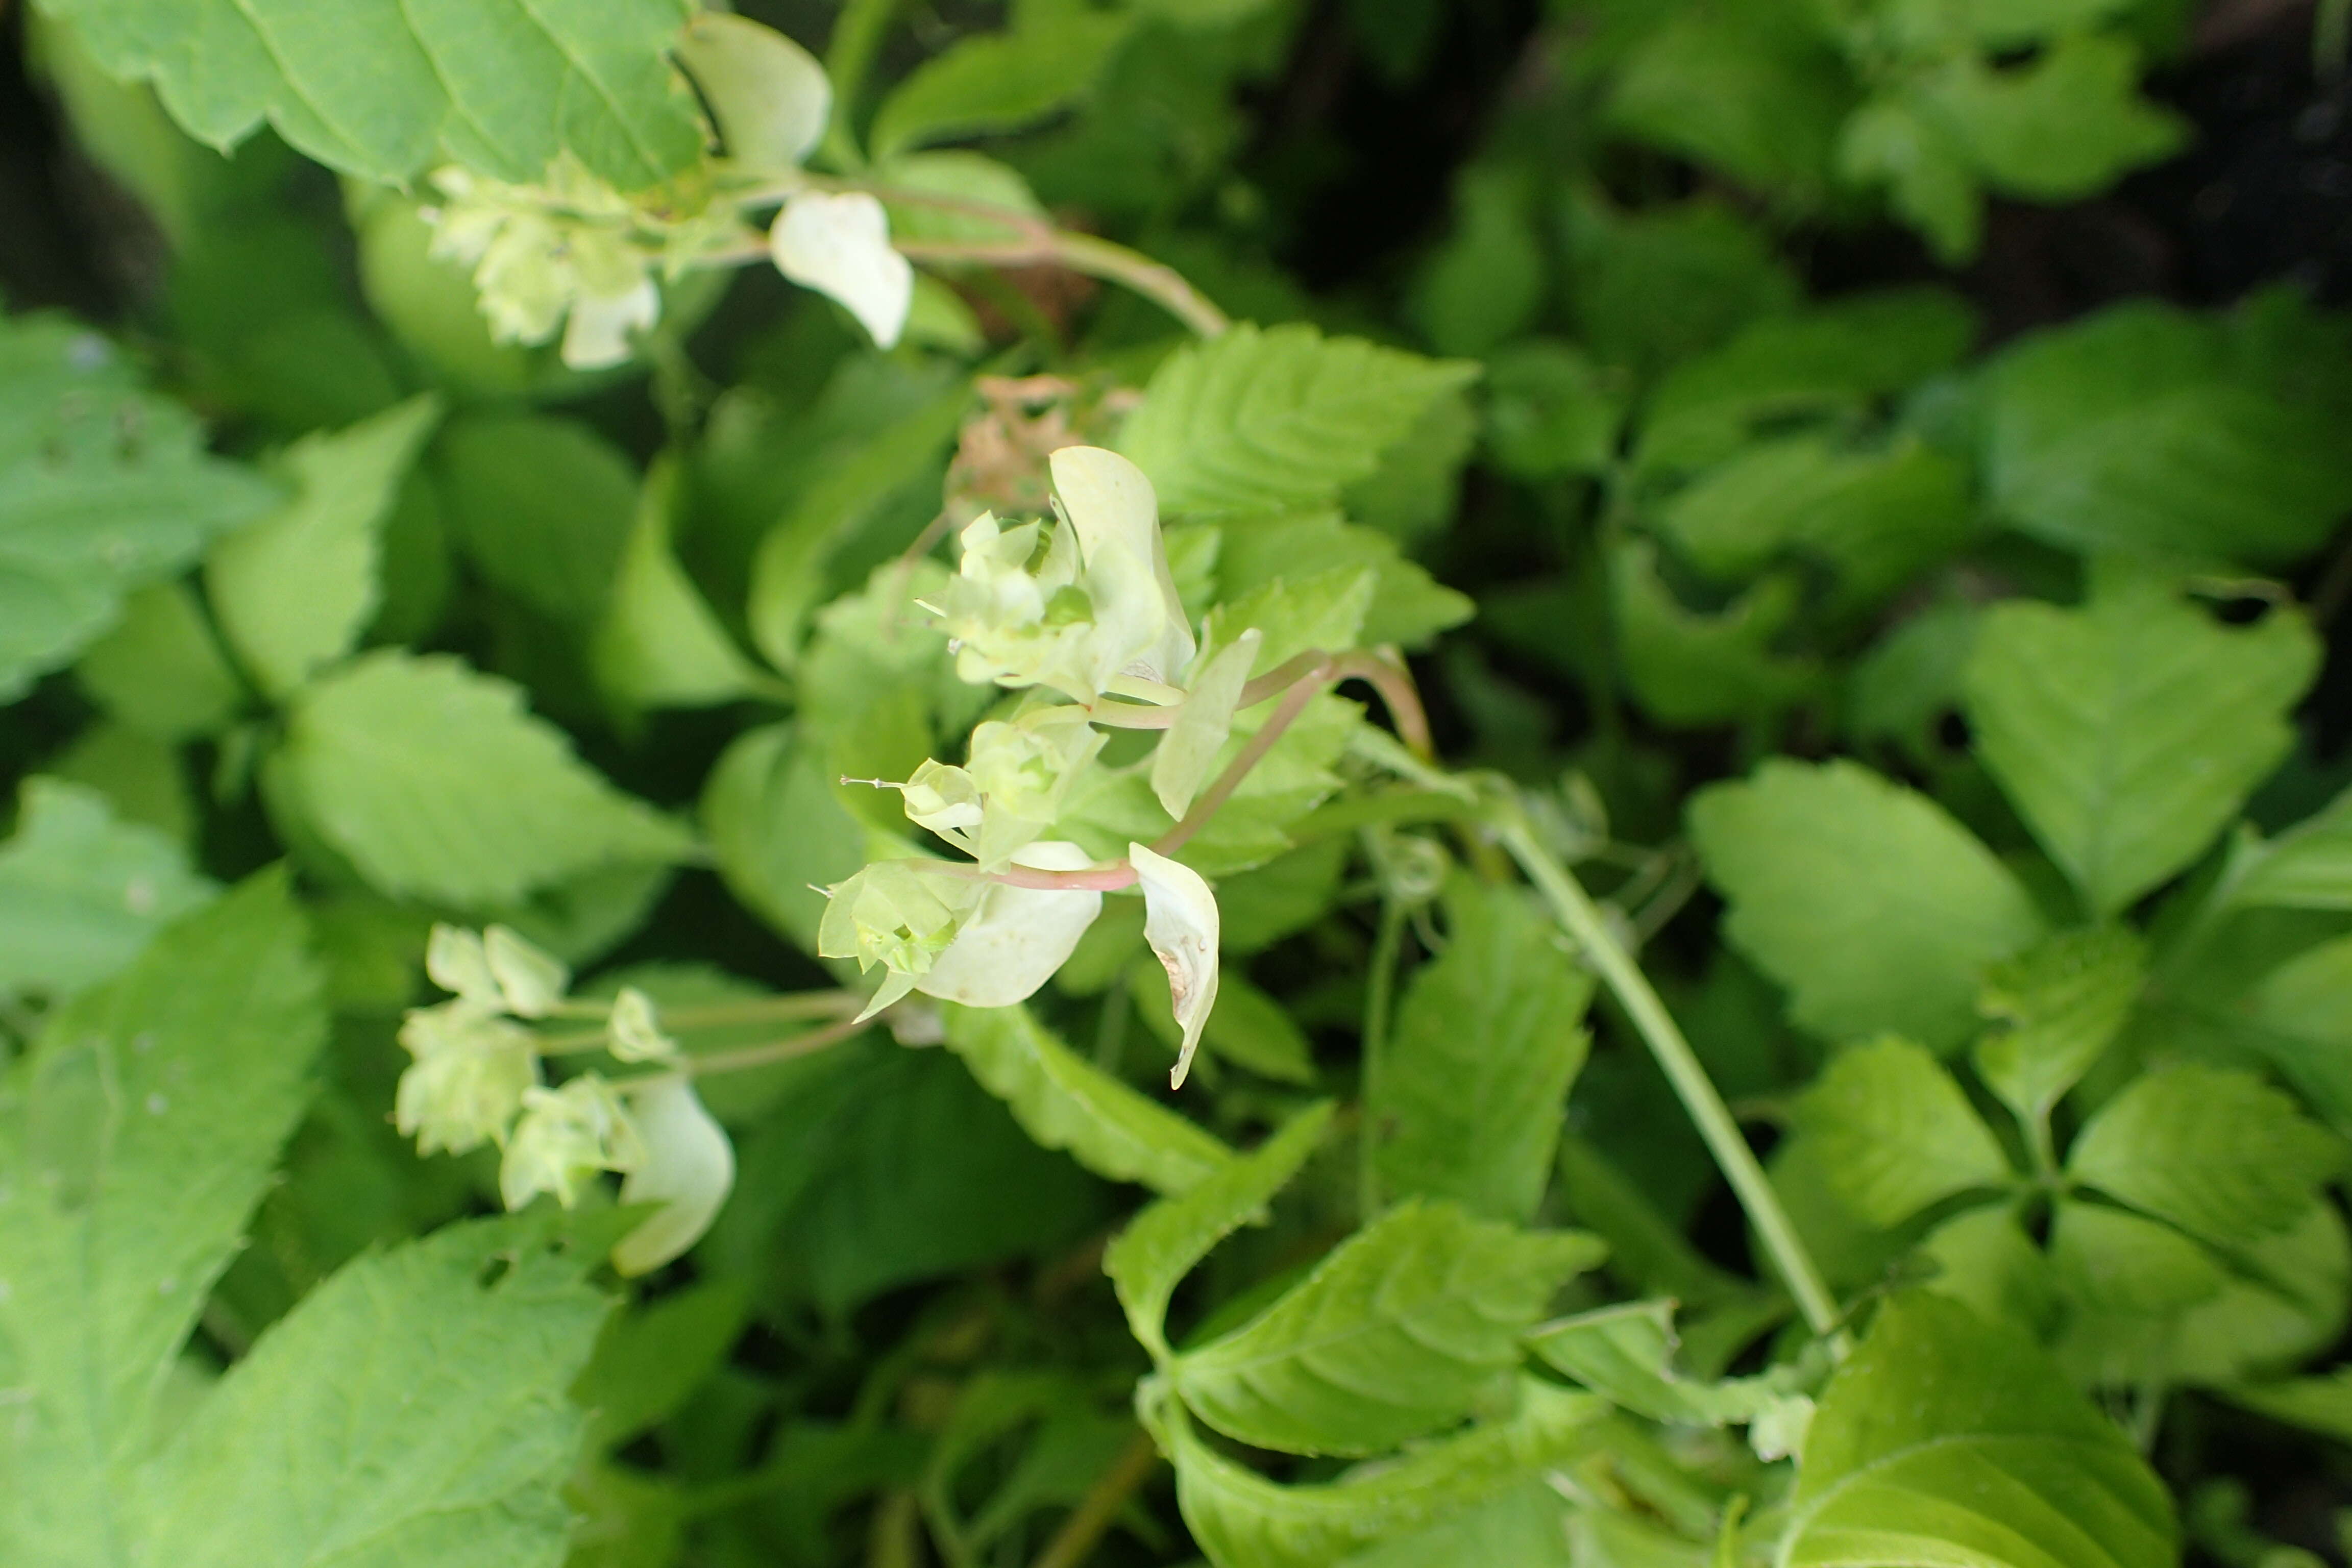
x: 570, y: 252
x: 474, y: 1078
x: 1083, y: 606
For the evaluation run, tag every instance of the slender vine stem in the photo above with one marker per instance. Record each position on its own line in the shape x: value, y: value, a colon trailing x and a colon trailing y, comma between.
x: 778, y: 1050
x: 1582, y: 918
x: 1099, y: 1509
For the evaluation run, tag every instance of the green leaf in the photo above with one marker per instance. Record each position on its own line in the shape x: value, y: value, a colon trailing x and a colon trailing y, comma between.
x: 435, y: 783
x: 1276, y: 419
x: 2308, y: 867
x: 1484, y: 284
x: 2125, y: 1285
x: 2129, y: 732
x: 2321, y: 1403
x: 81, y: 891
x: 649, y: 1359
x: 136, y: 1140
x: 1064, y: 1102
x: 1468, y: 1101
x: 1296, y: 614
x: 788, y: 575
x: 391, y: 89
x: 103, y: 488
x: 160, y: 670
x: 2301, y: 1019
x: 1150, y: 1259
x: 2063, y: 126
x: 295, y: 590
x: 409, y: 1410
x: 1241, y: 1520
x: 2150, y: 430
x: 1409, y: 607
x: 2064, y: 1002
x: 1947, y: 1442
x: 1651, y: 287
x: 544, y: 506
x: 1248, y: 1027
x: 1685, y: 666
x: 1872, y: 906
x: 1625, y: 1353
x: 2218, y: 1152
x: 1399, y: 1331
x: 1749, y: 88
x: 777, y: 831
x: 659, y: 644
x: 1894, y: 1133
x: 1549, y: 411
x: 999, y: 82
x: 1878, y: 518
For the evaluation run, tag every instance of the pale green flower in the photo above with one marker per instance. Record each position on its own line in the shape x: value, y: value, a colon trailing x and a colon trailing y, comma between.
x: 688, y: 1168
x: 565, y: 1137
x: 633, y: 1032
x: 1180, y: 921
x: 469, y: 1073
x: 1017, y: 937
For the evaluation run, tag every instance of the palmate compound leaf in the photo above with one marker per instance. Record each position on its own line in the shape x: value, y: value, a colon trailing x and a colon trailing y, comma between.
x: 2130, y: 730
x: 81, y: 890
x: 1949, y: 1442
x: 1468, y: 1099
x: 433, y: 781
x: 1064, y: 1101
x: 384, y: 89
x: 1150, y: 1259
x: 1401, y: 1330
x: 1892, y: 1132
x: 1241, y: 1520
x: 1277, y: 419
x: 2216, y: 1152
x: 1875, y: 908
x: 410, y: 1410
x: 135, y: 1141
x: 103, y: 488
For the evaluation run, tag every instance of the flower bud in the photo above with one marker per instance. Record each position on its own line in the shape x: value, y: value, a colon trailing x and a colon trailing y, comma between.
x: 471, y: 1072
x: 633, y: 1032
x: 567, y: 1135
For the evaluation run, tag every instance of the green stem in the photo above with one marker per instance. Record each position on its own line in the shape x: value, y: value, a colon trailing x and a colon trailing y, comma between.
x: 778, y: 1050
x: 1582, y: 919
x: 1094, y: 257
x: 1380, y: 994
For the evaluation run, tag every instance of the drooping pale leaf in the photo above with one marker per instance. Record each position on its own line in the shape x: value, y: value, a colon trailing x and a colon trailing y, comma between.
x: 135, y: 1141
x: 412, y: 1409
x: 659, y: 644
x: 2148, y: 430
x: 392, y: 87
x: 160, y: 670
x: 1876, y: 909
x: 1626, y: 1354
x: 1876, y: 517
x: 769, y: 96
x: 81, y: 891
x: 999, y: 82
x: 1894, y: 1133
x: 2062, y: 1001
x: 295, y: 590
x: 1241, y: 1520
x: 2216, y: 1152
x: 1150, y: 1259
x: 1685, y: 666
x: 1398, y: 1333
x: 1468, y: 1099
x: 435, y: 783
x: 1276, y: 419
x: 1950, y: 1442
x: 1064, y: 1101
x: 103, y: 488
x: 2129, y: 732
x: 838, y: 243
x: 689, y: 1170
